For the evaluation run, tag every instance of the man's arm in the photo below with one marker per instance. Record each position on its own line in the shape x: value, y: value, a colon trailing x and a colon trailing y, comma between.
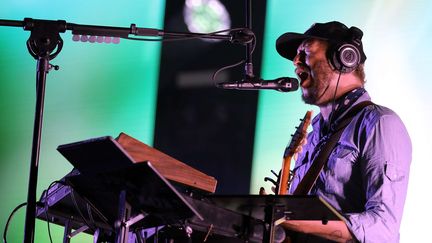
x: 386, y: 158
x: 333, y: 230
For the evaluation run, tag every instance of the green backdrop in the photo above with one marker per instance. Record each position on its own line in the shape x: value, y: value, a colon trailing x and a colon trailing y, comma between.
x: 103, y: 89
x: 100, y: 89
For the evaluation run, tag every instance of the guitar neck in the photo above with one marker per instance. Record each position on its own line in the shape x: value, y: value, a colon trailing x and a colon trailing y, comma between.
x: 285, y: 176
x: 296, y: 142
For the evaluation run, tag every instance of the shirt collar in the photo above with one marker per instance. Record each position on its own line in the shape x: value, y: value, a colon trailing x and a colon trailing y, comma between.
x: 343, y: 105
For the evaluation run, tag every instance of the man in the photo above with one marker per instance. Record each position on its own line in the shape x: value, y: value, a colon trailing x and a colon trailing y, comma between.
x: 366, y: 174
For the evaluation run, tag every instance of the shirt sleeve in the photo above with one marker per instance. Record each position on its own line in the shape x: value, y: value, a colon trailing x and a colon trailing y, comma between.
x: 385, y: 160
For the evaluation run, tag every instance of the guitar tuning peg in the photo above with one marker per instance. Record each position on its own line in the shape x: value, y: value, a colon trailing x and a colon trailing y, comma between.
x: 274, y: 173
x: 271, y: 180
x: 292, y: 135
x: 296, y: 127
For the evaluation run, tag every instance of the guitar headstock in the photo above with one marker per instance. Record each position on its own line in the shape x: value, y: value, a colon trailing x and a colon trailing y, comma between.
x: 299, y: 134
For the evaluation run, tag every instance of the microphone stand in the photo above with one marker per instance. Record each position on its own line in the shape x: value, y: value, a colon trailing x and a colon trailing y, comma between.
x: 269, y: 210
x: 45, y: 43
x: 249, y: 74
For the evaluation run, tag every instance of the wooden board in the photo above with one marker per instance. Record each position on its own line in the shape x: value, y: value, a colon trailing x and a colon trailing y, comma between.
x: 169, y: 167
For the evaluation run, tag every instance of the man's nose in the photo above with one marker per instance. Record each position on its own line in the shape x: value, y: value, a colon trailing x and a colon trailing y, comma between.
x: 299, y: 58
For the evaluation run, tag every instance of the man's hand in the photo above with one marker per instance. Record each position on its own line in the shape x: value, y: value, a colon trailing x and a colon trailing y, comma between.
x: 299, y: 149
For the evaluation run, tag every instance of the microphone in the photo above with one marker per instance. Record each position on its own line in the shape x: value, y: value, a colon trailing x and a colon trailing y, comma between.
x: 283, y: 84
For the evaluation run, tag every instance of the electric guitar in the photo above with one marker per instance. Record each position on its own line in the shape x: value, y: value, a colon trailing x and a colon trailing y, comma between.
x: 286, y: 176
x: 296, y: 140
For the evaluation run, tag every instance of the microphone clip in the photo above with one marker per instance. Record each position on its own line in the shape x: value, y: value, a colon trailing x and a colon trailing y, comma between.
x: 242, y: 36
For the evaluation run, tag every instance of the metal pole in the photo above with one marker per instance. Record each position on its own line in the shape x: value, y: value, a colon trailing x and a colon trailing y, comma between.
x: 42, y: 70
x: 248, y: 65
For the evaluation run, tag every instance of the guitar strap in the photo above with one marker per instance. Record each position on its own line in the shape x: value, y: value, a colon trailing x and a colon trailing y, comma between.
x: 312, y: 174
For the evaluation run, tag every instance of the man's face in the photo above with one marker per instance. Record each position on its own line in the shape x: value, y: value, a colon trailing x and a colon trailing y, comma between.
x: 314, y: 71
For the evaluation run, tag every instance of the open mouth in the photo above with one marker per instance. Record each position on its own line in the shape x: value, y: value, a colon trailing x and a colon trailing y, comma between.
x: 303, y: 76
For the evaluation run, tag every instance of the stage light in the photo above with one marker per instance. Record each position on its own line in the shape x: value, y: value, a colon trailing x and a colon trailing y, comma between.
x: 204, y: 16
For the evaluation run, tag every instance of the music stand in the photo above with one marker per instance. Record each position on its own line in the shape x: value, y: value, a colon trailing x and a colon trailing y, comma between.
x: 99, y: 155
x: 274, y: 208
x: 138, y: 190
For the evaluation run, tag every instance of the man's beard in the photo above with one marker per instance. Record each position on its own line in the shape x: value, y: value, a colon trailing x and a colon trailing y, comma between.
x: 320, y: 83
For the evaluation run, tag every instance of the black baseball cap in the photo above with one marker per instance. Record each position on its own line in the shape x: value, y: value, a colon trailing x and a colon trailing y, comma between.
x: 335, y: 32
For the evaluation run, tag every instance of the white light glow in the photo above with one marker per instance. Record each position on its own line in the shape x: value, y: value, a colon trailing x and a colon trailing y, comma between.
x: 205, y: 16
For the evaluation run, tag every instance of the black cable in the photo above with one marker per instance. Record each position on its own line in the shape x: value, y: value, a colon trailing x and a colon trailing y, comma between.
x: 172, y: 38
x: 79, y: 210
x: 142, y: 39
x: 89, y: 213
x: 45, y: 193
x: 9, y: 219
x: 334, y: 99
x: 48, y: 224
x: 235, y: 64
x: 90, y: 210
x: 200, y: 37
x: 46, y: 206
x: 224, y: 68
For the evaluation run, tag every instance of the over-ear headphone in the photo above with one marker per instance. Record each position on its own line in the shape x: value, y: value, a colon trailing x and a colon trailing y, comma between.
x: 346, y: 56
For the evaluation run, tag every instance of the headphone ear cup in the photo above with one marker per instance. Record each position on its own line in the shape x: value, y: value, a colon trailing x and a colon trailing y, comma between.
x: 346, y: 58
